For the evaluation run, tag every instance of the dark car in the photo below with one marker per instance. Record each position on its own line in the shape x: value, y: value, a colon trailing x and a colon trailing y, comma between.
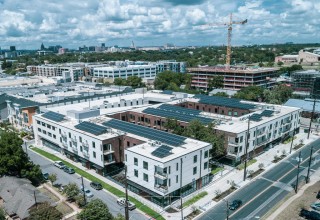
x: 68, y: 170
x: 312, y: 215
x: 45, y: 176
x: 235, y: 204
x: 318, y: 195
x: 96, y: 185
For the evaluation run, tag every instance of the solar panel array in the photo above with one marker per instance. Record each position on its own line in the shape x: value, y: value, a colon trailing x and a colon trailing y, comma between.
x: 162, y: 151
x: 255, y: 117
x: 175, y: 108
x: 176, y: 115
x: 267, y: 113
x: 53, y: 116
x: 222, y: 101
x: 152, y: 134
x: 91, y: 128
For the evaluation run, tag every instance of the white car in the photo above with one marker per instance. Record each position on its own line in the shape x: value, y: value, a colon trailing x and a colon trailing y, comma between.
x: 122, y: 202
x: 59, y: 164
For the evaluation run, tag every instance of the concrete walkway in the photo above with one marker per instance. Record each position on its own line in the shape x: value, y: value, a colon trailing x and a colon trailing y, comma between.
x: 62, y: 198
x: 313, y: 179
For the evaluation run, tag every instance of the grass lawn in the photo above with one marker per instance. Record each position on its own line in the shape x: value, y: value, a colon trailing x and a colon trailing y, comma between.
x: 250, y: 162
x: 109, y: 188
x: 216, y: 169
x: 194, y: 199
x: 49, y: 194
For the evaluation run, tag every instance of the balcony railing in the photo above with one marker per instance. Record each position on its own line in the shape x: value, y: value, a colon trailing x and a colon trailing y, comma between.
x: 86, y: 154
x: 233, y: 144
x: 107, y: 162
x: 161, y: 175
x: 161, y: 188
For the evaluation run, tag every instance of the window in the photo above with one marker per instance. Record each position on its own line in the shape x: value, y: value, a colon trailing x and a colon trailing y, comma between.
x: 229, y: 113
x: 38, y: 122
x: 169, y: 169
x: 206, y: 154
x: 43, y: 124
x: 270, y: 126
x: 53, y: 128
x: 205, y: 165
x: 43, y: 131
x: 145, y: 165
x: 39, y: 129
x: 241, y: 139
x: 49, y: 126
x: 194, y: 170
x: 177, y: 166
x: 177, y: 178
x: 126, y: 157
x: 93, y: 144
x: 94, y: 154
x: 169, y: 182
x: 145, y: 177
x: 136, y: 173
x: 128, y: 144
x: 54, y: 136
x: 81, y: 148
x: 135, y: 161
x: 59, y: 131
x: 80, y: 139
x: 235, y: 113
x: 195, y: 158
x: 50, y: 135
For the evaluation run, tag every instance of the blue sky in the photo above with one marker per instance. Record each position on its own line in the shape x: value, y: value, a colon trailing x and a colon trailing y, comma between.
x: 27, y: 23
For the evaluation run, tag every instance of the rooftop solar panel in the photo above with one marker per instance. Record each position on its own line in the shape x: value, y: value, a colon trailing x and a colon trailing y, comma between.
x: 267, y: 113
x: 176, y: 115
x: 53, y: 116
x: 223, y: 101
x: 255, y: 117
x: 179, y: 109
x: 167, y: 138
x: 91, y: 128
x: 162, y: 151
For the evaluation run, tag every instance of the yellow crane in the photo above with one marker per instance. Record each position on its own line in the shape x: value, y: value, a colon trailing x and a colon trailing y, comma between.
x: 229, y: 24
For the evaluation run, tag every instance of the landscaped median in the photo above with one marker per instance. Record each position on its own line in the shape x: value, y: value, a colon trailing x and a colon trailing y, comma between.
x: 194, y: 199
x: 111, y: 189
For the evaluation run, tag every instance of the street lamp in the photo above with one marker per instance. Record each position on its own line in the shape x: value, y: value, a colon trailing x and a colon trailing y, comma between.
x: 227, y: 210
x: 84, y: 193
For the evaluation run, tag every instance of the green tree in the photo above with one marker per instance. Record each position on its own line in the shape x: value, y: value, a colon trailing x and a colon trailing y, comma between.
x: 14, y: 161
x: 95, y: 210
x: 280, y: 63
x: 2, y: 214
x: 52, y: 178
x: 119, y: 81
x: 44, y: 211
x: 169, y: 80
x: 134, y: 82
x: 119, y: 217
x: 278, y: 95
x: 216, y: 82
x: 80, y: 200
x: 252, y: 93
x: 72, y: 191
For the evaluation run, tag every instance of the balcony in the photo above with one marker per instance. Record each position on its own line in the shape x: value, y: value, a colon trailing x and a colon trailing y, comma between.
x: 64, y: 136
x: 74, y: 149
x: 64, y: 144
x: 74, y: 141
x: 108, y: 162
x: 86, y: 154
x: 161, y: 188
x: 161, y: 175
x: 233, y: 144
x: 106, y: 152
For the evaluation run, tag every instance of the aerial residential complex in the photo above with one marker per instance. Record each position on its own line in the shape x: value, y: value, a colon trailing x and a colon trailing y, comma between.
x: 235, y: 78
x: 161, y: 166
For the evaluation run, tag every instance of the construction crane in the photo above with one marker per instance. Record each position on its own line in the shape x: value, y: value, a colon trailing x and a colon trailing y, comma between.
x: 229, y: 24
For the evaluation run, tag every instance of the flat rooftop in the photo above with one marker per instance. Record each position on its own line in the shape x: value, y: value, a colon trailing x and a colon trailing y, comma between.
x: 232, y: 69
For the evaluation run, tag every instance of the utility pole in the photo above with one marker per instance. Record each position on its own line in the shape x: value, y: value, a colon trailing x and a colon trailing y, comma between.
x: 246, y: 152
x: 307, y: 179
x: 84, y: 193
x: 35, y: 198
x: 227, y: 210
x: 25, y: 145
x: 297, y: 182
x: 292, y: 141
x: 181, y: 161
x: 126, y: 186
x: 312, y: 113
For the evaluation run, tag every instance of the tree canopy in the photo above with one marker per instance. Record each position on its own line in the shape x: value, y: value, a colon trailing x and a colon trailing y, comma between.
x: 44, y: 211
x: 95, y: 210
x: 72, y: 191
x: 252, y: 93
x: 169, y: 80
x: 2, y: 214
x: 216, y: 82
x: 278, y: 95
x: 14, y: 161
x: 133, y: 81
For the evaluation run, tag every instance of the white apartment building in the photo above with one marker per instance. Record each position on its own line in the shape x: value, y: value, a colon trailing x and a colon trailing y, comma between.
x: 171, y: 65
x: 143, y: 71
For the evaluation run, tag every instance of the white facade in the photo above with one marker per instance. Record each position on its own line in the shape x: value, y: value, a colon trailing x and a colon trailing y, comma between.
x: 143, y: 71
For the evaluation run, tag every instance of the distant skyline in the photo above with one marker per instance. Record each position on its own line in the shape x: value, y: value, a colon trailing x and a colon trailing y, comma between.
x: 27, y: 24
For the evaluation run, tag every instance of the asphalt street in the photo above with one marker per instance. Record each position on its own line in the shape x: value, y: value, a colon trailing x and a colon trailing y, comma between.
x: 260, y: 195
x: 65, y: 178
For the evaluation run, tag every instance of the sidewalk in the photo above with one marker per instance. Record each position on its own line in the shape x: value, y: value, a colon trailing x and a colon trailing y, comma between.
x: 222, y: 183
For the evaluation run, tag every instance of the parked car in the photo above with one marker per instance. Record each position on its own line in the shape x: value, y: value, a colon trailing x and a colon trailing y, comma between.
x: 122, y: 202
x: 312, y: 215
x: 235, y: 204
x: 45, y: 176
x: 87, y: 192
x: 68, y: 170
x: 96, y: 186
x: 318, y: 195
x: 316, y: 206
x: 59, y: 164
